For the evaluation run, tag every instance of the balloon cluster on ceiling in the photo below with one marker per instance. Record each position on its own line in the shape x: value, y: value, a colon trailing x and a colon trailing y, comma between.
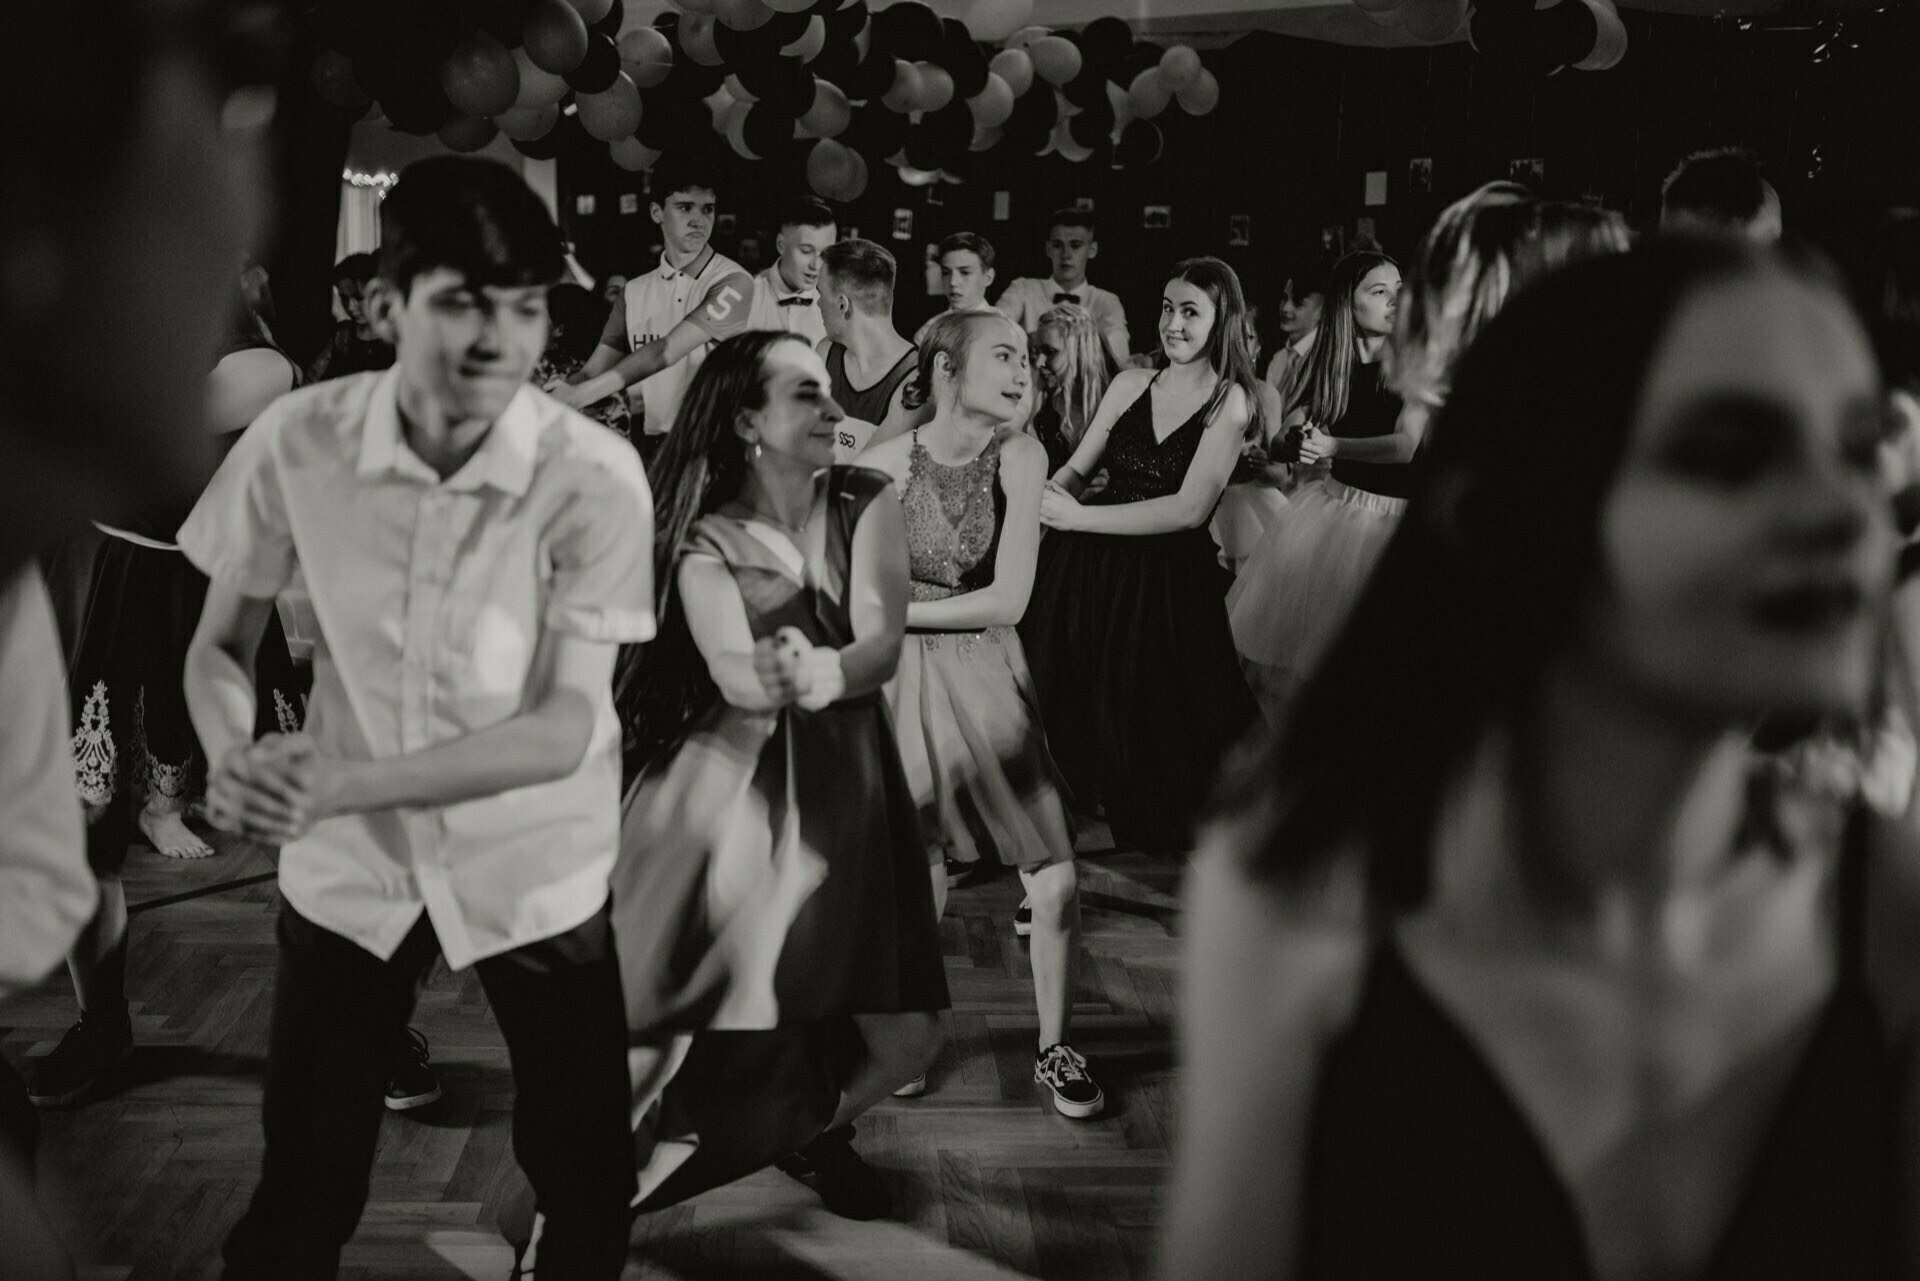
x: 1517, y: 35
x: 827, y: 85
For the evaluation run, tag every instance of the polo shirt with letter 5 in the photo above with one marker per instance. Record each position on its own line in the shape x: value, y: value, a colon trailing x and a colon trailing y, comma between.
x: 715, y: 292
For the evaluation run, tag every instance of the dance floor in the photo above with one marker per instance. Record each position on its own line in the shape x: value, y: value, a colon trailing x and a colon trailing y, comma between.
x: 988, y: 1182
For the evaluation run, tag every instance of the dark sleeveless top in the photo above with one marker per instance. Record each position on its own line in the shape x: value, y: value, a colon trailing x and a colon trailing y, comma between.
x: 870, y: 404
x: 1372, y: 410
x: 1140, y: 467
x: 1420, y: 1165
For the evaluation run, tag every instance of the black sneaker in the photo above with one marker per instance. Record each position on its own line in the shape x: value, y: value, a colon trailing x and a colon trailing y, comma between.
x: 84, y: 1056
x: 1063, y: 1069
x: 1023, y: 918
x: 411, y: 1080
x: 847, y: 1185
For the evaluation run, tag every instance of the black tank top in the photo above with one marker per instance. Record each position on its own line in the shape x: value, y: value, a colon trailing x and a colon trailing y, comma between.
x: 1421, y: 1167
x: 1372, y: 410
x: 870, y: 404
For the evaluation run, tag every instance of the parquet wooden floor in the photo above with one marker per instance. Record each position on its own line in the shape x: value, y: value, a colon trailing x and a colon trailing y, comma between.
x: 988, y: 1182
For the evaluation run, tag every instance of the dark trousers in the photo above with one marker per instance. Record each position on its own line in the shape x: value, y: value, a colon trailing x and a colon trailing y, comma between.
x: 336, y: 1010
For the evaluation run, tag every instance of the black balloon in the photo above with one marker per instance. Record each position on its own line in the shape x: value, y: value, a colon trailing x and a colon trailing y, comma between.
x: 609, y: 24
x: 963, y: 59
x: 844, y: 24
x: 689, y: 79
x: 785, y: 28
x: 875, y: 132
x: 910, y: 30
x: 782, y: 85
x: 1140, y: 144
x: 872, y: 77
x: 1087, y: 89
x: 767, y: 134
x: 1106, y: 40
x: 503, y: 19
x: 669, y: 22
x: 1142, y: 57
x: 742, y: 50
x: 1091, y: 127
x: 599, y: 69
x: 836, y: 62
x: 924, y: 148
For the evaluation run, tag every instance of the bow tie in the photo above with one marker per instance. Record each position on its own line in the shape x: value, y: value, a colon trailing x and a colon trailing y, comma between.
x: 1065, y: 297
x: 796, y: 300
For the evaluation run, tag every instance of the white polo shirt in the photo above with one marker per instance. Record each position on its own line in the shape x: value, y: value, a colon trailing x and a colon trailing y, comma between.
x: 777, y: 307
x: 1029, y: 298
x: 431, y: 597
x: 714, y: 291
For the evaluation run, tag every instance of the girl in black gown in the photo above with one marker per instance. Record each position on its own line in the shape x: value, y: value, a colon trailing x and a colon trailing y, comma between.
x: 1139, y: 687
x: 1511, y: 960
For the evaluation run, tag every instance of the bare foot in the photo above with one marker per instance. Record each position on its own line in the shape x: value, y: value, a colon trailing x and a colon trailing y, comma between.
x: 169, y: 834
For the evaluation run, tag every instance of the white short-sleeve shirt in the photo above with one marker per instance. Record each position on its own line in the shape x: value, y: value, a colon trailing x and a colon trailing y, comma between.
x: 430, y: 598
x: 1029, y: 298
x: 795, y: 311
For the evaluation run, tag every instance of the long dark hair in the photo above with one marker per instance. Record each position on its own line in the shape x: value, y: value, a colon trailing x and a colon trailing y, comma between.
x: 1482, y: 583
x: 1329, y: 365
x: 661, y: 688
x: 1230, y: 345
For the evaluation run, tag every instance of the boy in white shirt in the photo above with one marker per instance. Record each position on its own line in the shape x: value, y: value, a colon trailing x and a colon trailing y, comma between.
x: 786, y: 296
x: 1071, y: 244
x: 475, y: 553
x: 966, y: 272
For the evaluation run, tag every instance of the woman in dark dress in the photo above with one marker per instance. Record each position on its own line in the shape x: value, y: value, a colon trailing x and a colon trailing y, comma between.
x: 1511, y: 958
x: 772, y: 900
x: 1140, y: 690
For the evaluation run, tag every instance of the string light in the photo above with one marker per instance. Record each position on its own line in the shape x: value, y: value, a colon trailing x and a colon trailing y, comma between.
x: 382, y: 182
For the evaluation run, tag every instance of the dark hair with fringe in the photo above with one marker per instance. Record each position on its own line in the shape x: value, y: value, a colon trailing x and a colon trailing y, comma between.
x: 1230, y: 344
x: 968, y: 242
x: 476, y: 217
x: 1488, y: 567
x: 662, y: 687
x: 680, y: 171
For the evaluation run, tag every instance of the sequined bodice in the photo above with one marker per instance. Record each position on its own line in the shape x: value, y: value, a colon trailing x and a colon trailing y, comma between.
x: 1140, y: 467
x: 953, y: 521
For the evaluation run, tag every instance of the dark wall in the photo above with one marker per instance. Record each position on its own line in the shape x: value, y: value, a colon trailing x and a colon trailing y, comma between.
x: 1301, y: 123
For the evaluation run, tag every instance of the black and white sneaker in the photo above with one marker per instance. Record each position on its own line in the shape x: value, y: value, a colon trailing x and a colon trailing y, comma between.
x: 1023, y: 918
x: 411, y: 1080
x: 1063, y: 1069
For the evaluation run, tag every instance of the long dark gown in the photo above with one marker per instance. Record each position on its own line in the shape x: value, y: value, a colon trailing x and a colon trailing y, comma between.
x: 1140, y: 689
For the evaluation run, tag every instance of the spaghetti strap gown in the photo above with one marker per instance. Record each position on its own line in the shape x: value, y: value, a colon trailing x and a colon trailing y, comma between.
x: 771, y: 880
x: 1140, y: 687
x: 1420, y: 1165
x: 963, y: 702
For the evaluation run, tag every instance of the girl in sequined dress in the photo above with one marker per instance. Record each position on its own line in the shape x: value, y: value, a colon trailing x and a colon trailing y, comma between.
x: 963, y: 703
x: 1139, y: 685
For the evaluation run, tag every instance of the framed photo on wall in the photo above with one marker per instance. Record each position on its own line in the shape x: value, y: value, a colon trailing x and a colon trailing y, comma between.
x: 1156, y: 217
x: 1239, y: 230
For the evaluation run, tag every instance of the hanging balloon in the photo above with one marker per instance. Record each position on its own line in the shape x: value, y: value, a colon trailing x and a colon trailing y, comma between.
x: 827, y: 168
x: 810, y: 43
x: 1087, y: 88
x: 480, y: 78
x: 845, y: 24
x: 991, y: 21
x: 632, y: 155
x: 647, y: 56
x: 1065, y: 144
x: 333, y: 78
x: 1092, y: 126
x: 830, y: 113
x: 768, y: 135
x: 1120, y: 110
x: 609, y: 25
x: 538, y: 88
x: 720, y: 105
x: 914, y: 177
x: 1202, y: 96
x: 524, y: 124
x: 612, y: 113
x: 735, y: 129
x: 936, y: 87
x: 555, y: 38
x: 875, y: 130
x: 1105, y: 41
x: 1610, y: 38
x: 873, y: 77
x: 739, y: 91
x: 985, y: 137
x: 962, y: 58
x: 904, y: 94
x: 1015, y: 66
x: 1055, y: 59
x: 1140, y: 144
x: 696, y: 39
x: 993, y: 105
x: 591, y: 11
x: 466, y: 133
x: 1149, y: 94
x: 1432, y: 21
x: 782, y: 84
x: 1180, y: 65
x: 1025, y: 36
x: 855, y: 184
x: 598, y: 70
x: 503, y: 19
x: 742, y: 15
x: 911, y: 29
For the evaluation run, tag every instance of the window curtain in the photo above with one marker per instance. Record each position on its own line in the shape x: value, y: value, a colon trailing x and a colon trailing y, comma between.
x: 359, y: 220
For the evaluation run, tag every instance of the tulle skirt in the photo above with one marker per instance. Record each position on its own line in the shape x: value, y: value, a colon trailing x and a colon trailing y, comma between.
x: 975, y: 756
x: 1242, y: 519
x: 1295, y: 591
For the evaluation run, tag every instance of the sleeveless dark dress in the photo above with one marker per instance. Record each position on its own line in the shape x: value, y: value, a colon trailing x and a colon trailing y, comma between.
x: 1140, y: 689
x: 1421, y: 1167
x: 1372, y: 410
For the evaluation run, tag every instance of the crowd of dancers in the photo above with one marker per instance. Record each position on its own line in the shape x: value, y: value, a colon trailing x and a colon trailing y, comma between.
x: 666, y: 654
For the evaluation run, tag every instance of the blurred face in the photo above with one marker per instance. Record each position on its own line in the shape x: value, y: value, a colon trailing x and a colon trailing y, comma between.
x: 1068, y: 249
x: 797, y: 422
x: 1748, y: 544
x: 468, y: 350
x: 1299, y: 313
x: 835, y: 308
x: 997, y: 377
x: 1050, y: 361
x: 800, y: 249
x: 1186, y: 322
x: 686, y: 220
x: 612, y: 287
x: 353, y: 300
x: 965, y: 279
x: 1374, y: 300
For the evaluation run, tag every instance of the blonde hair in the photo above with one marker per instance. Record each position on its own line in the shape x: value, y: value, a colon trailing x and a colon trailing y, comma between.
x: 1085, y: 382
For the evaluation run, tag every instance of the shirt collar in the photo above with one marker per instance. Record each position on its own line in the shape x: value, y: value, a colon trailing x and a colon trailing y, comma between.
x: 699, y: 264
x: 1304, y: 343
x: 504, y: 459
x: 772, y: 276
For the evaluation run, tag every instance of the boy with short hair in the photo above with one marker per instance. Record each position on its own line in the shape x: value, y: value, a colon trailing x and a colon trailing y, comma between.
x: 786, y: 296
x: 659, y: 331
x: 966, y: 272
x: 475, y: 553
x: 1071, y: 244
x: 868, y: 361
